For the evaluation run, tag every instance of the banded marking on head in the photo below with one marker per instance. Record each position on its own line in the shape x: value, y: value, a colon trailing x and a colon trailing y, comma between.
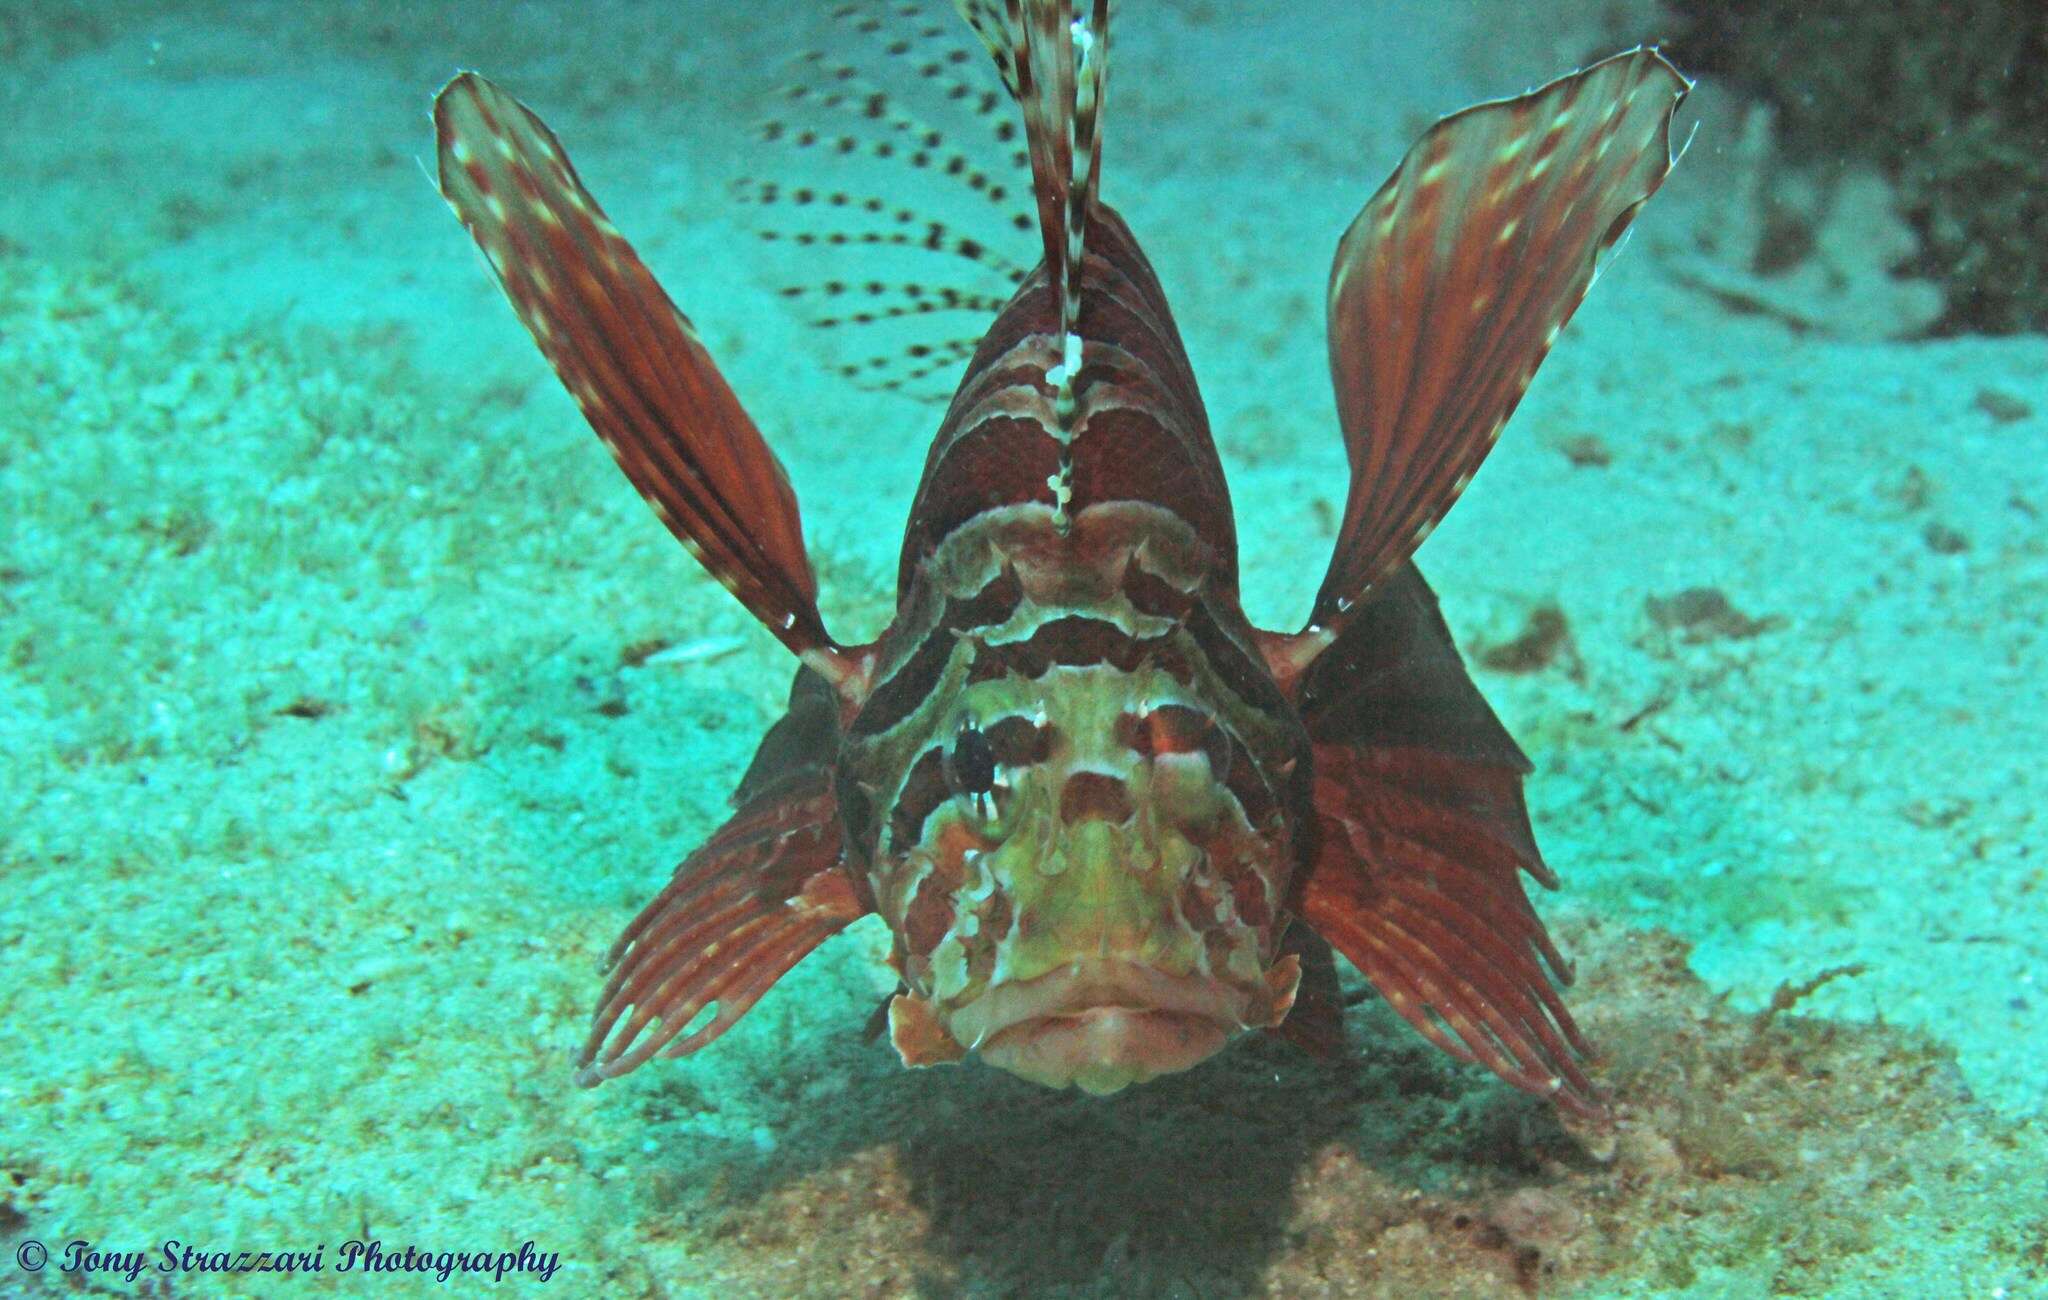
x: 1165, y: 721
x: 975, y: 767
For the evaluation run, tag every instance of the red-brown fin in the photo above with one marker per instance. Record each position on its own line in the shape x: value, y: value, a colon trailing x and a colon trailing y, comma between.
x: 1423, y: 839
x: 803, y: 743
x: 1409, y: 888
x: 751, y: 903
x: 1394, y: 679
x: 629, y: 358
x: 1453, y: 282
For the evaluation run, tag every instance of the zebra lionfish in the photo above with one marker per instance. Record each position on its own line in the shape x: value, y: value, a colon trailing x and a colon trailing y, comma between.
x: 1109, y: 824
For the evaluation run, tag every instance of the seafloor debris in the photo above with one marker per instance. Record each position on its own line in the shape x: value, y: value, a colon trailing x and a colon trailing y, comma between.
x: 2003, y: 408
x: 1943, y: 540
x: 1586, y: 451
x: 1818, y: 251
x: 310, y: 707
x: 639, y: 652
x: 1912, y: 490
x: 1705, y: 614
x: 1946, y: 110
x: 1544, y: 638
x: 696, y: 650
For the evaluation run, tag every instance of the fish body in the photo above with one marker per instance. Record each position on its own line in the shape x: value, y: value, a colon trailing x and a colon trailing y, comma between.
x: 1109, y: 823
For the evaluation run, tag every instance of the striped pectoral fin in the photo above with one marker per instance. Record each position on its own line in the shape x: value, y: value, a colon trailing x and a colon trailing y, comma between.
x: 741, y: 911
x: 1416, y: 884
x: 631, y: 360
x: 1423, y: 840
x: 1453, y: 282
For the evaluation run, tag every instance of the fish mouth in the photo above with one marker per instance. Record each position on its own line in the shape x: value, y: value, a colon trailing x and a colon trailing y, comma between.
x: 1104, y: 1025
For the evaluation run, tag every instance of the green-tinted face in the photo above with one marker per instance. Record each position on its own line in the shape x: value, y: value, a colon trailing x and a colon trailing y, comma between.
x: 1083, y: 871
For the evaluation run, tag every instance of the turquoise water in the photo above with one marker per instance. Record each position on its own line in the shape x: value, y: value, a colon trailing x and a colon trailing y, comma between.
x: 353, y: 704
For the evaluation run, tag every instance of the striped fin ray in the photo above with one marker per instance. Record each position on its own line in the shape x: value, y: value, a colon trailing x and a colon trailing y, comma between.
x: 1091, y: 94
x: 1454, y: 280
x: 994, y: 23
x: 1057, y: 67
x: 1424, y: 839
x: 882, y: 126
x: 1422, y: 895
x: 743, y: 909
x: 917, y: 277
x: 925, y: 45
x: 875, y: 301
x: 632, y: 361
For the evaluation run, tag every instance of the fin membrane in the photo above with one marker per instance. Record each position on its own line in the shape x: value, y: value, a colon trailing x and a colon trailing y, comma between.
x: 741, y: 911
x: 1453, y: 282
x: 631, y: 360
x: 1423, y: 839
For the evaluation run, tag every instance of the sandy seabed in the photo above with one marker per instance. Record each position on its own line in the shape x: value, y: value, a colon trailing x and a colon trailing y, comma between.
x: 352, y: 705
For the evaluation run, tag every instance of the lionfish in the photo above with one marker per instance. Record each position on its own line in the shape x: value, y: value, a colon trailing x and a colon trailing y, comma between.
x: 1109, y: 824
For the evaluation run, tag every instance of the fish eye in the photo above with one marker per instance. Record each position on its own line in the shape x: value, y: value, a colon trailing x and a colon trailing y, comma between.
x: 971, y: 765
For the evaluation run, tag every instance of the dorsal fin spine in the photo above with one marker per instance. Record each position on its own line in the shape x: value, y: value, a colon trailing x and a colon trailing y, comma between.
x: 1090, y: 42
x: 1057, y: 67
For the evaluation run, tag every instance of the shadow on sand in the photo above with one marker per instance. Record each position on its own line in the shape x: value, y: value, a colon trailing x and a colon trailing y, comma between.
x: 1183, y: 1187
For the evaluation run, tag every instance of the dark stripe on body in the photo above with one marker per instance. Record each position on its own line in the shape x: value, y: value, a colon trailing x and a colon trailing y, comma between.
x: 1139, y: 433
x: 907, y: 685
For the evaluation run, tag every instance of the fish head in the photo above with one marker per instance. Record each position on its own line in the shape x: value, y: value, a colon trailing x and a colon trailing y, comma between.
x: 1084, y: 873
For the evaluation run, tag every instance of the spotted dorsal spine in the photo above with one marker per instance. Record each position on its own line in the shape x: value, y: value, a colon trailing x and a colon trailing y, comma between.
x: 1055, y: 63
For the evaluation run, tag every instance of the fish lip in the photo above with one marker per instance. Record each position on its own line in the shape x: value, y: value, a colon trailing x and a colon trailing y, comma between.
x: 1105, y: 1049
x: 1098, y: 987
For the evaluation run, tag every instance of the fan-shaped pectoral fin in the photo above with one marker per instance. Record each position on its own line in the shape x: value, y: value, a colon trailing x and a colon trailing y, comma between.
x: 634, y: 363
x: 742, y: 910
x: 1451, y: 285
